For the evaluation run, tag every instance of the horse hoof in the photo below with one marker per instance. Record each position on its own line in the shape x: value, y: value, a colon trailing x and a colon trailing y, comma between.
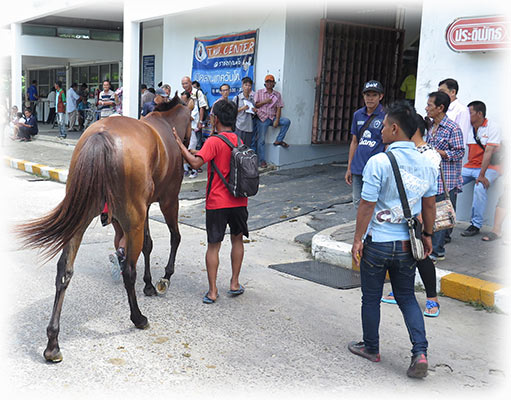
x: 54, y: 356
x: 162, y: 285
x: 149, y: 290
x: 142, y: 324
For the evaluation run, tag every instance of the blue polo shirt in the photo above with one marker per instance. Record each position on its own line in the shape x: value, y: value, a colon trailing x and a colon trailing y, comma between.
x: 32, y: 92
x: 419, y: 176
x: 370, y: 141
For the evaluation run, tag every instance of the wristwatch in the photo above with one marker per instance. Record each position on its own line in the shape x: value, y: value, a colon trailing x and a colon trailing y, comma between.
x: 427, y: 234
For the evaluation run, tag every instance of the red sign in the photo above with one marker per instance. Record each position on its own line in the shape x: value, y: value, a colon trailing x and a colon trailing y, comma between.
x: 479, y: 34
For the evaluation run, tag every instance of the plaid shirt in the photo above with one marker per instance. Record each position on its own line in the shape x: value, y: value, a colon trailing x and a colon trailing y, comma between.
x: 268, y: 110
x: 449, y: 138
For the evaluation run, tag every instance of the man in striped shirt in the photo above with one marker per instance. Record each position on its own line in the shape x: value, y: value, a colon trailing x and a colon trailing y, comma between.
x: 447, y: 138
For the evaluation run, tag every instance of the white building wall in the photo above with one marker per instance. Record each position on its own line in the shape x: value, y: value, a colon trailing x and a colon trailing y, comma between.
x: 481, y: 76
x: 89, y: 50
x: 152, y: 44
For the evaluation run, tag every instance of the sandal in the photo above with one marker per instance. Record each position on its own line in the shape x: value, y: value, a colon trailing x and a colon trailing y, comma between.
x: 389, y: 301
x: 490, y: 237
x: 429, y: 305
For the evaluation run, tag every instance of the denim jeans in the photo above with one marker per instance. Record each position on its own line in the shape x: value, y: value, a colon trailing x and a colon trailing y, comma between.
x: 260, y: 135
x: 62, y: 124
x: 438, y: 239
x: 377, y: 258
x: 480, y: 193
x: 356, y: 189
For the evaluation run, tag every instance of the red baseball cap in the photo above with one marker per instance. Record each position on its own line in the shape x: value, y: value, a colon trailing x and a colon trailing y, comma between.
x: 269, y: 78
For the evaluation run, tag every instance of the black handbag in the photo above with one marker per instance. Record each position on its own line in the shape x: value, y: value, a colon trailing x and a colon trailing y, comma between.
x: 414, y: 225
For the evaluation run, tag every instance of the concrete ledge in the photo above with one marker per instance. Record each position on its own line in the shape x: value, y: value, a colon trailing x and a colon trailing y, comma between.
x: 54, y: 174
x: 325, y: 248
x: 467, y: 288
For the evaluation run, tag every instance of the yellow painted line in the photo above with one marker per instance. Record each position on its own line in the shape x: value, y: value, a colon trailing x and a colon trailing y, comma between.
x: 54, y: 174
x: 36, y: 169
x: 467, y: 288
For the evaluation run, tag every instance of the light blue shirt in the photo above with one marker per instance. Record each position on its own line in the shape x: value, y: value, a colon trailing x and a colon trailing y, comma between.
x: 419, y: 176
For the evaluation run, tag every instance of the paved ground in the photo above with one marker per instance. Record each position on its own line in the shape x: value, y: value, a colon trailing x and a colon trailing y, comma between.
x: 284, y: 338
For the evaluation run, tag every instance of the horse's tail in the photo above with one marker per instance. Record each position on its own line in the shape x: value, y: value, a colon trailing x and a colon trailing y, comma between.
x: 92, y: 180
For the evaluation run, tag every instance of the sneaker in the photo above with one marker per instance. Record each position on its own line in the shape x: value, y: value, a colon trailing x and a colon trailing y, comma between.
x: 193, y: 175
x: 359, y: 349
x: 470, y: 231
x: 115, y: 267
x: 418, y: 367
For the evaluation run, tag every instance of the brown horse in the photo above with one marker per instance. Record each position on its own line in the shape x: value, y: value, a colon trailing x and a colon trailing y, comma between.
x: 128, y: 164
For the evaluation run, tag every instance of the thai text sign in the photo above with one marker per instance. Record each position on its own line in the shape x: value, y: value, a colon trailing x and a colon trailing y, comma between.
x: 479, y: 34
x: 223, y: 59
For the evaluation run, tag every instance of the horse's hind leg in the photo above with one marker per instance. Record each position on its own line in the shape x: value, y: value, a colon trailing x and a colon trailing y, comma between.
x: 170, y: 212
x: 134, y: 242
x: 147, y: 247
x: 64, y: 273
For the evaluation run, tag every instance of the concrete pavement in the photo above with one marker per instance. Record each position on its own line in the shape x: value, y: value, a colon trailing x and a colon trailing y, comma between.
x: 473, y: 270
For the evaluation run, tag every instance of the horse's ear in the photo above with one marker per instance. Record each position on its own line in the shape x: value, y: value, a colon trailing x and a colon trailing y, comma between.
x: 177, y: 95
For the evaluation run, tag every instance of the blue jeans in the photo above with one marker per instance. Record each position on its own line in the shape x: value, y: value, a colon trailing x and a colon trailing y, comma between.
x: 438, y: 239
x: 377, y: 258
x: 62, y: 124
x: 356, y: 189
x: 480, y: 193
x: 260, y: 135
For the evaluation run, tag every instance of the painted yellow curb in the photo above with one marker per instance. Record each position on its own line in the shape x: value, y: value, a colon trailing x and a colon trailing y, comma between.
x: 467, y: 288
x: 55, y: 174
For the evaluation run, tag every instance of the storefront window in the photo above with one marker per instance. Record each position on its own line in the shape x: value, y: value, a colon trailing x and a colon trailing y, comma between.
x: 115, y: 72
x: 104, y: 72
x: 94, y: 75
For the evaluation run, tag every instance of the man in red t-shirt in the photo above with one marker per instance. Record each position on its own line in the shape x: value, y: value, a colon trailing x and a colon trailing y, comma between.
x: 222, y: 207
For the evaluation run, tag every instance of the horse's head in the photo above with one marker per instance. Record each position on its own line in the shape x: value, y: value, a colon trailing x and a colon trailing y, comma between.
x: 176, y: 114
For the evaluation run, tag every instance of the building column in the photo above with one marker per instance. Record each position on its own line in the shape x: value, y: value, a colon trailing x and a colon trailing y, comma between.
x: 131, y: 68
x: 16, y: 67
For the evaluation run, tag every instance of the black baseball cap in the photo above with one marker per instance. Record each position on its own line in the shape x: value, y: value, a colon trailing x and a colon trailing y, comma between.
x: 373, y: 86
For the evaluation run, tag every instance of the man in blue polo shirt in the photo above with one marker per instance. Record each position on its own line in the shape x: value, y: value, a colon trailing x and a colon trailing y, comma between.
x: 382, y: 242
x: 32, y: 96
x: 366, y: 138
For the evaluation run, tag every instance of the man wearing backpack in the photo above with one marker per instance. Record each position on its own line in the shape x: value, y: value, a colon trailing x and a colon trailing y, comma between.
x: 222, y: 207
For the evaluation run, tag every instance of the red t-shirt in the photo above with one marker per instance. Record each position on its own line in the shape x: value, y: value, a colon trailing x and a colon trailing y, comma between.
x: 216, y: 149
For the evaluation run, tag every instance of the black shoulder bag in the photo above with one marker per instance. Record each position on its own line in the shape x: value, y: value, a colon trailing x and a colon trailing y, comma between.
x: 414, y: 225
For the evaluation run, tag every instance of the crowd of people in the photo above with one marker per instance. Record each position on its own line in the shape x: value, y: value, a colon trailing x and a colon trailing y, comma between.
x: 430, y: 150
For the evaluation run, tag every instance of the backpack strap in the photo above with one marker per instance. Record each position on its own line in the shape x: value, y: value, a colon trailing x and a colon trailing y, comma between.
x: 477, y: 139
x: 215, y: 168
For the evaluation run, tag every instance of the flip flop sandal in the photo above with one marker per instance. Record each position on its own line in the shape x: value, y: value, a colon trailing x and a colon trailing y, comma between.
x: 490, y: 237
x: 207, y: 300
x: 389, y: 301
x: 241, y: 290
x: 429, y: 305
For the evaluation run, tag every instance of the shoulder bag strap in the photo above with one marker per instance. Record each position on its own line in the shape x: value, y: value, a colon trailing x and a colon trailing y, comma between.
x: 364, y: 127
x: 402, y: 194
x: 446, y: 192
x: 477, y: 139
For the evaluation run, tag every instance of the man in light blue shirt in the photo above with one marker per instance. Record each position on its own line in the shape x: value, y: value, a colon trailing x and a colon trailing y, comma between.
x: 386, y: 245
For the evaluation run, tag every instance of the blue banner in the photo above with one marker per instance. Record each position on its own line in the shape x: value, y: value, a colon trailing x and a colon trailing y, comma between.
x: 224, y: 59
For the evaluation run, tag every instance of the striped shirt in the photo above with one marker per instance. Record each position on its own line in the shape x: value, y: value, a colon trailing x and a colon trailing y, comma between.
x: 268, y: 110
x: 448, y: 137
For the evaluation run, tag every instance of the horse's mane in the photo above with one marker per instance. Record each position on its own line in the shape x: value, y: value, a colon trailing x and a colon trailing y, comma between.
x: 170, y: 105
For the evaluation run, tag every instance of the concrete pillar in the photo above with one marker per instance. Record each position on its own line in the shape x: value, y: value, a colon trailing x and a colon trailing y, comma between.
x: 131, y: 68
x: 16, y: 67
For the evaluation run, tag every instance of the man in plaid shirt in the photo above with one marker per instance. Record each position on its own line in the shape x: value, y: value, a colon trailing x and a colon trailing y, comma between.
x: 447, y: 138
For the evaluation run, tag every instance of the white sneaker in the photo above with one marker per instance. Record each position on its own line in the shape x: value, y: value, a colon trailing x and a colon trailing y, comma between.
x: 193, y: 174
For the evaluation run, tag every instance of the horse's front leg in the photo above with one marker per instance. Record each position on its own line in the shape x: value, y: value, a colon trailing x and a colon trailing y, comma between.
x: 170, y: 212
x: 65, y: 264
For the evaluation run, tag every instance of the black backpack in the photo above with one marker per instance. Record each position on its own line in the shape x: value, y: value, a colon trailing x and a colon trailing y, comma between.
x: 244, y: 174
